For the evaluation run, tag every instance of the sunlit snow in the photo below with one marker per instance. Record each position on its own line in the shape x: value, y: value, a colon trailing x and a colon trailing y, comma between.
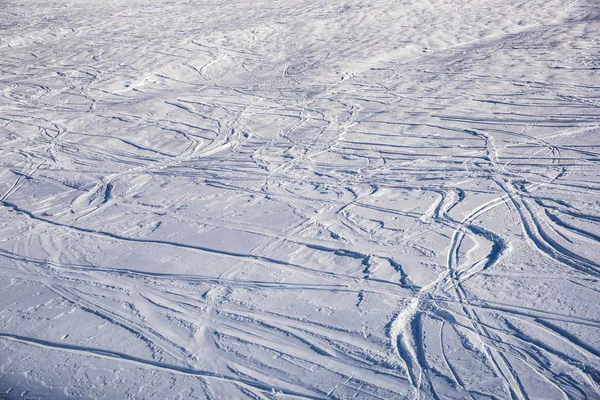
x: 362, y: 199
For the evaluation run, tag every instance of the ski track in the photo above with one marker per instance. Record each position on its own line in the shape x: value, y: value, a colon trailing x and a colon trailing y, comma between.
x: 343, y: 200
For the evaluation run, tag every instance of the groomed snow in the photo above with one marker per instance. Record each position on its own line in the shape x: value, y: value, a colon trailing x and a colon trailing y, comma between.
x: 279, y: 199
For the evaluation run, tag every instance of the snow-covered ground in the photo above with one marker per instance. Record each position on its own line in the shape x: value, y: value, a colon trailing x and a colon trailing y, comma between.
x: 269, y: 199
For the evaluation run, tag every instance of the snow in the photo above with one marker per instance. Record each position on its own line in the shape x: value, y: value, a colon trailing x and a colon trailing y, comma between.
x: 375, y: 199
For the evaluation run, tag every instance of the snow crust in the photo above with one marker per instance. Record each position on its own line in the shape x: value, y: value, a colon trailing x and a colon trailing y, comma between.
x: 362, y: 199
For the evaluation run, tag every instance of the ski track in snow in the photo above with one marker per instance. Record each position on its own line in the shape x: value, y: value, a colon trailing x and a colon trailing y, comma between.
x: 320, y: 200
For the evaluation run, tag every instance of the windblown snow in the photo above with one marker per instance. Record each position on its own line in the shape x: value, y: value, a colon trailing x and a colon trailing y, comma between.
x: 278, y: 199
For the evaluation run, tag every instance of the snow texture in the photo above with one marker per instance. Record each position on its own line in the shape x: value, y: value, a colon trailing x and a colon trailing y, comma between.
x: 279, y: 199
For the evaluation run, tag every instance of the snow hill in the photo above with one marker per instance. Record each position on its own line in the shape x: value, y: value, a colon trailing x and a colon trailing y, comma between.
x: 278, y: 199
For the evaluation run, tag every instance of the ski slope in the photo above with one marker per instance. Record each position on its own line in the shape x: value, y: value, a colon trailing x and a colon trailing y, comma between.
x: 357, y: 199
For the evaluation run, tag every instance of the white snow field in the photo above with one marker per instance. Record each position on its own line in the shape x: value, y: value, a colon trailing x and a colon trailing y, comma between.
x: 317, y: 199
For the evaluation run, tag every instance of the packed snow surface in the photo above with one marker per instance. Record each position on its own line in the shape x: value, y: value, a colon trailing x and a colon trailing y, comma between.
x: 281, y: 199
